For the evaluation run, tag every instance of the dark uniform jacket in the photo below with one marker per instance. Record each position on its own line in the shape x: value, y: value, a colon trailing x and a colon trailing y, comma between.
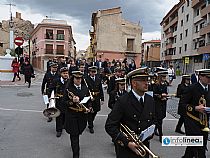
x: 48, y: 83
x: 130, y: 112
x: 111, y: 85
x: 182, y: 89
x: 75, y: 122
x: 59, y: 89
x: 96, y: 87
x: 160, y: 105
x: 114, y: 96
x: 189, y: 101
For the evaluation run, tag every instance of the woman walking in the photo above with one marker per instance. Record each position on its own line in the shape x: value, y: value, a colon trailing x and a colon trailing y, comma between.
x: 28, y: 72
x: 15, y: 69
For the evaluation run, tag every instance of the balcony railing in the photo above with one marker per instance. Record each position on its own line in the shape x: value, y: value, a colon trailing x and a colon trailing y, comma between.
x: 60, y: 37
x: 48, y: 36
x: 169, y: 35
x: 195, y: 2
x: 60, y: 52
x: 205, y: 11
x: 205, y: 29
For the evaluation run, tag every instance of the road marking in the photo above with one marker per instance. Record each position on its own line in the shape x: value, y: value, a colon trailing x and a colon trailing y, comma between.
x: 37, y: 111
x: 21, y: 110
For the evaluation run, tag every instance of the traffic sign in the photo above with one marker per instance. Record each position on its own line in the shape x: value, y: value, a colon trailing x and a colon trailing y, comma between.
x: 205, y: 57
x: 18, y: 41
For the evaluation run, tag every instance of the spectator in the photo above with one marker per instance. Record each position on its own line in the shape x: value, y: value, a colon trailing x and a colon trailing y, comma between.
x: 15, y: 69
x: 171, y: 74
x: 28, y: 72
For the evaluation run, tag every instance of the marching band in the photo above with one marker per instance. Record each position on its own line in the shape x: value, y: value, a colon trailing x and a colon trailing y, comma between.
x: 132, y: 109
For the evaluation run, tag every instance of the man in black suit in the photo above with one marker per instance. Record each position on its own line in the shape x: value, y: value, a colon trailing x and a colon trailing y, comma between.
x: 194, y: 77
x: 59, y: 86
x: 194, y: 109
x: 47, y: 82
x: 75, y: 113
x: 95, y: 86
x: 111, y: 85
x: 136, y: 109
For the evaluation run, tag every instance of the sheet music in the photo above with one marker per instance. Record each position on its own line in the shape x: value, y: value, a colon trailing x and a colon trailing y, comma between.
x: 207, y: 109
x: 85, y: 100
x: 147, y: 132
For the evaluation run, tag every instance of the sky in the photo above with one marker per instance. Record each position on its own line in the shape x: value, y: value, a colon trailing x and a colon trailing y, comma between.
x: 78, y: 14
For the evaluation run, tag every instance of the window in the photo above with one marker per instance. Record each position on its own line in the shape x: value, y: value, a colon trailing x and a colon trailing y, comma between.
x: 186, y: 32
x: 49, y: 34
x: 175, y: 28
x: 182, y: 9
x: 60, y: 49
x: 174, y: 39
x: 180, y: 50
x: 49, y: 49
x: 175, y: 51
x: 196, y: 29
x: 130, y: 43
x: 187, y: 17
x: 185, y: 47
x: 202, y: 25
x: 181, y: 22
x: 181, y: 36
x: 188, y: 3
x: 197, y: 12
x: 60, y: 34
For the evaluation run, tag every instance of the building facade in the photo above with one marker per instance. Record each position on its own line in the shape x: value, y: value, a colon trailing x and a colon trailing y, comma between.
x: 112, y: 37
x: 51, y: 38
x: 151, y: 53
x: 184, y: 35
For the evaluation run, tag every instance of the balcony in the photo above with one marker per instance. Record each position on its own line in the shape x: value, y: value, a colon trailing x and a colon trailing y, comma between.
x: 60, y: 37
x: 195, y: 3
x: 169, y: 35
x: 205, y: 29
x: 171, y: 23
x: 205, y: 11
x: 204, y: 49
x: 49, y: 36
x: 59, y: 52
x: 48, y: 51
x: 168, y: 57
x: 169, y: 46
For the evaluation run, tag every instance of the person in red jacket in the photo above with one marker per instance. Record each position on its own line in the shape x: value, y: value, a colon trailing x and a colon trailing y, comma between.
x: 15, y: 68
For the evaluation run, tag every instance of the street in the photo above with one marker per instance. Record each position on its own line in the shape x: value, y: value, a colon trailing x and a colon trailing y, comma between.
x: 25, y: 132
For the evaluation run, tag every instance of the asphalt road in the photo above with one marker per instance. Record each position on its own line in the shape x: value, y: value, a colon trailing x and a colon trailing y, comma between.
x: 25, y: 133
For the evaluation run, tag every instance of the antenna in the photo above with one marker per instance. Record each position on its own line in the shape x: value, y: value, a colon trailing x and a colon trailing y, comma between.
x: 10, y: 9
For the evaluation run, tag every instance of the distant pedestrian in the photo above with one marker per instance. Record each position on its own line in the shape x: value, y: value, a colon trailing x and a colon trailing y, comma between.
x: 171, y: 74
x: 28, y: 72
x: 15, y: 69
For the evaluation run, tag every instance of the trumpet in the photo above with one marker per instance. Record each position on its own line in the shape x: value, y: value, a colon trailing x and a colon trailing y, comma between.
x: 203, y: 116
x: 79, y: 107
x: 132, y: 136
x: 52, y: 111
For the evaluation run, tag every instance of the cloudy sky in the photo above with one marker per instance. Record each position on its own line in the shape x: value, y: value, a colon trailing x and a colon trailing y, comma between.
x: 78, y: 13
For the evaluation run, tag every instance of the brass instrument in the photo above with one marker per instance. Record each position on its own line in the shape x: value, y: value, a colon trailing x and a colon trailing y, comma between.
x: 132, y: 136
x: 79, y: 107
x: 91, y: 96
x: 203, y: 116
x: 51, y: 111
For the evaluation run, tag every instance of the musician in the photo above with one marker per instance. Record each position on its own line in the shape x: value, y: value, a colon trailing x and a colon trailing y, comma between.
x: 47, y: 82
x: 59, y: 86
x: 194, y: 110
x: 120, y: 90
x: 95, y: 86
x: 136, y: 110
x: 75, y: 117
x: 160, y: 96
x: 181, y: 90
x: 112, y: 79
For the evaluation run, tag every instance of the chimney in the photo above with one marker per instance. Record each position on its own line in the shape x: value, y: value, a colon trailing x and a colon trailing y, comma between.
x: 18, y: 15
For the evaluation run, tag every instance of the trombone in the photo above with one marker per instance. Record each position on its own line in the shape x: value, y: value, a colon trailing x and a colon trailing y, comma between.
x: 132, y: 136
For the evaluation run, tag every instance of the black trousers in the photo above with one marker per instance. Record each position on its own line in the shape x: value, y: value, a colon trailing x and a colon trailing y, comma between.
x: 91, y: 118
x: 180, y: 123
x: 75, y: 145
x: 195, y: 152
x: 16, y: 74
x: 60, y: 122
x: 159, y: 126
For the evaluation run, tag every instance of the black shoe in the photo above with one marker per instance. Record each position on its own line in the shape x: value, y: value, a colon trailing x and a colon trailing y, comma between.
x: 91, y: 130
x: 49, y: 119
x: 13, y: 80
x: 29, y: 85
x: 58, y: 134
x: 179, y: 131
x: 160, y: 139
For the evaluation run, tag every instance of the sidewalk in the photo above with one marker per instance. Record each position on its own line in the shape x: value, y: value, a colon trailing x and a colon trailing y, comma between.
x: 38, y: 75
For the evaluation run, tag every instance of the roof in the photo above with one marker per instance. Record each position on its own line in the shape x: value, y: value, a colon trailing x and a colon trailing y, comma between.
x: 153, y: 41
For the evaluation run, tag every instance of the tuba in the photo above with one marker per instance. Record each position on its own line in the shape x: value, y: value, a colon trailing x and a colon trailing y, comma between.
x: 132, y: 136
x: 79, y: 107
x: 51, y: 111
x: 203, y: 116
